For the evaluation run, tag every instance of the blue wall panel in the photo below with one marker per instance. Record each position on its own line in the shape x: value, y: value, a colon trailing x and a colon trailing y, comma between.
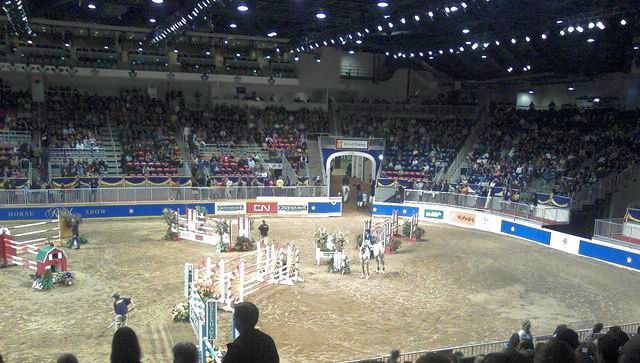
x: 325, y: 207
x: 610, y: 254
x: 387, y: 210
x: 530, y: 233
x: 97, y: 211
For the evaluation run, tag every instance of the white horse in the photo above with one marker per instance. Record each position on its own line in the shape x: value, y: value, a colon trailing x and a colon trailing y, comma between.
x: 370, y: 250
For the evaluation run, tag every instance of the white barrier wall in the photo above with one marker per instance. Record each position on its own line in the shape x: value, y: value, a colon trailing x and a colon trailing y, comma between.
x: 468, y: 218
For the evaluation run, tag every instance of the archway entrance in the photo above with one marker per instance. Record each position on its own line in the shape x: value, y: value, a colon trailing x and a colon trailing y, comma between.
x: 352, y: 168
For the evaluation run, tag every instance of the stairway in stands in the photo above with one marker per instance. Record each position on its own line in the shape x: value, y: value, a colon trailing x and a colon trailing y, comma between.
x: 112, y: 147
x: 482, y: 121
x: 315, y: 159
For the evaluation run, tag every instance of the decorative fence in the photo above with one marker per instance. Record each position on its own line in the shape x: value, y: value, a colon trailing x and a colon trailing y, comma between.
x: 150, y: 194
x: 472, y: 350
x: 545, y: 214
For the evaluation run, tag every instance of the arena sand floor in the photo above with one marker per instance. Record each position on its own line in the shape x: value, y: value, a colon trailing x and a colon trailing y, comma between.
x: 457, y: 286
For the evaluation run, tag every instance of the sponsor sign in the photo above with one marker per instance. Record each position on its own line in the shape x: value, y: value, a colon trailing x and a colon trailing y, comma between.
x: 352, y: 144
x: 468, y: 219
x: 293, y: 209
x: 262, y: 207
x: 230, y: 208
x: 274, y: 165
x: 326, y: 208
x: 565, y: 242
x: 433, y: 214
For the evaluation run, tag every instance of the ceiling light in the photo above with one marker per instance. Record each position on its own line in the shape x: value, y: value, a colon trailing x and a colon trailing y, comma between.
x: 531, y: 92
x: 430, y: 14
x: 497, y: 42
x: 600, y: 25
x: 29, y: 41
x: 591, y: 25
x: 623, y: 22
x: 421, y: 54
x: 139, y: 49
x: 383, y: 4
x: 152, y: 20
x: 527, y: 39
x: 510, y: 69
x: 484, y: 56
x: 157, y: 1
x: 570, y: 89
x: 474, y: 46
x: 238, y: 55
x: 351, y: 52
x: 272, y: 34
x: 175, y: 50
x: 379, y: 28
x: 106, y: 47
x: 579, y: 29
x: 543, y: 36
x: 403, y: 20
x: 416, y: 17
x: 571, y: 29
x: 243, y: 8
x: 465, y: 31
x: 559, y: 21
x: 390, y: 25
x: 233, y: 25
x: 596, y: 100
x: 462, y: 49
x: 357, y: 41
x: 67, y: 44
x: 464, y: 5
x: 590, y: 40
x: 321, y: 15
x: 562, y: 32
x: 513, y: 41
x: 91, y: 6
x: 454, y: 8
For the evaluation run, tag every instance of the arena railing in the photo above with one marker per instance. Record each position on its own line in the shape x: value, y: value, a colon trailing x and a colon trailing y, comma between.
x: 473, y: 350
x: 541, y: 213
x: 424, y: 110
x: 153, y: 194
x: 617, y: 231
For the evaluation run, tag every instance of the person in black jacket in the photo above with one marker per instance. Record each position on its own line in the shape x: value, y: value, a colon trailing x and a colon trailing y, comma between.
x: 251, y: 345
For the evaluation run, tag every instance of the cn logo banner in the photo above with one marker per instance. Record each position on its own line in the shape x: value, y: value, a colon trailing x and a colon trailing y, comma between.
x: 262, y: 208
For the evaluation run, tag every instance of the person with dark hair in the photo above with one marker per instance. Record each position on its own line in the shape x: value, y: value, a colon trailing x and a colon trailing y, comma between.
x: 607, y: 348
x: 631, y: 351
x: 125, y: 347
x: 433, y: 358
x: 251, y: 345
x: 67, y: 358
x: 568, y: 336
x: 619, y: 334
x: 595, y: 333
x: 506, y: 357
x: 555, y: 351
x: 185, y: 353
x: 513, y: 342
x: 264, y: 230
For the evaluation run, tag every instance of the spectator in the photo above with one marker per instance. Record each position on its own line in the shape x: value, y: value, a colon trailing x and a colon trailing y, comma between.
x: 568, y: 336
x: 608, y: 347
x: 596, y: 332
x: 65, y: 358
x: 631, y: 351
x: 185, y: 353
x: 251, y: 345
x: 433, y: 358
x: 555, y: 351
x: 525, y: 332
x: 125, y: 347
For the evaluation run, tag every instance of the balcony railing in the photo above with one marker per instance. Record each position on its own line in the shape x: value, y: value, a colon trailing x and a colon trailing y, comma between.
x: 160, y: 194
x: 496, y: 205
x: 617, y: 231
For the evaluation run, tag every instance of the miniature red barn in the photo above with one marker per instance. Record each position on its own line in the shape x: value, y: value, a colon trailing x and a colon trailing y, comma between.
x: 50, y: 258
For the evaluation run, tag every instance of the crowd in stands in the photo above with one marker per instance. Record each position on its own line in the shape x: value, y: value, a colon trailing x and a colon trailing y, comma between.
x: 415, y: 148
x: 274, y: 128
x: 85, y: 168
x: 568, y: 148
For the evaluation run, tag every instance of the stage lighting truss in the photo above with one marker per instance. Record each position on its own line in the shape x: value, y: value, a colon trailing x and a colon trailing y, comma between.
x: 180, y: 21
x: 17, y: 17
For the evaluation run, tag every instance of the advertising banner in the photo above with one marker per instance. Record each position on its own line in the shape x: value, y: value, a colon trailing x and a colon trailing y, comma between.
x: 290, y: 208
x: 226, y: 208
x: 565, y: 242
x: 262, y: 207
x: 433, y: 214
x: 465, y: 219
x: 352, y: 144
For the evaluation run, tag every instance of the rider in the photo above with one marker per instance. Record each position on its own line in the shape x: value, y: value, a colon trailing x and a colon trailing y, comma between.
x: 121, y: 308
x: 369, y: 241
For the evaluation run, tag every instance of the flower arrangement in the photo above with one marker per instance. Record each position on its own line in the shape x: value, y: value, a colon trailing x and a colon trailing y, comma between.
x: 321, y: 236
x: 180, y: 312
x: 406, y: 231
x: 244, y: 244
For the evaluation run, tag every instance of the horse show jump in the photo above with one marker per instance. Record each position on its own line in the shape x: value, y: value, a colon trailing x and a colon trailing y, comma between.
x: 33, y: 246
x: 196, y: 226
x: 230, y: 280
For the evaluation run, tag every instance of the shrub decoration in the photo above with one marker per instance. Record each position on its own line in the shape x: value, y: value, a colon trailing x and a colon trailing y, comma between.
x: 180, y: 312
x: 172, y: 223
x: 244, y: 244
x: 406, y: 231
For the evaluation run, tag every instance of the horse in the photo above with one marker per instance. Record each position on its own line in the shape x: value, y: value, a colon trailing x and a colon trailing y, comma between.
x: 369, y: 251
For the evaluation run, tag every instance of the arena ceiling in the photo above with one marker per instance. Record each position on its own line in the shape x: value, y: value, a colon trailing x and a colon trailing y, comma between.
x: 473, y: 22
